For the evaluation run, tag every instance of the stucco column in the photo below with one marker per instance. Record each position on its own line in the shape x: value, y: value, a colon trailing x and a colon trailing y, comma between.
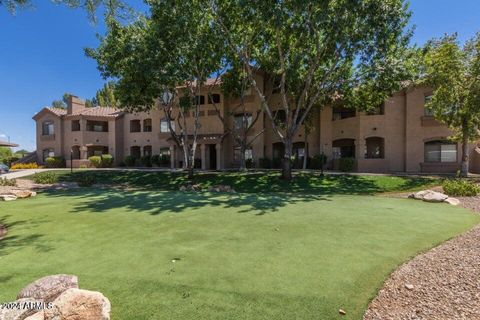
x: 203, y: 156
x: 172, y: 157
x: 83, y: 152
x: 218, y: 148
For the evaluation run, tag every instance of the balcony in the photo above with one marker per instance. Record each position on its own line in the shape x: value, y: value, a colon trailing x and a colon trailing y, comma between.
x: 47, y: 137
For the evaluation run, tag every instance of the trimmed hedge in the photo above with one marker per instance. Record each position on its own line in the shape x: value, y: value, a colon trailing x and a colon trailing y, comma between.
x: 460, y: 188
x: 346, y: 164
x: 55, y: 162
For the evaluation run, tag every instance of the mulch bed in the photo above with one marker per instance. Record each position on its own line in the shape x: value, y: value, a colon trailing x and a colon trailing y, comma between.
x: 443, y: 283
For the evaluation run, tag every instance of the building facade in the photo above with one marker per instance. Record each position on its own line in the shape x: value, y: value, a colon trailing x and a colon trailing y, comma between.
x: 399, y: 136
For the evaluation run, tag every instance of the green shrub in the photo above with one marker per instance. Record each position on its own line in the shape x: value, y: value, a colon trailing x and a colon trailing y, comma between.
x: 8, y: 160
x: 164, y: 160
x: 146, y: 161
x: 129, y: 161
x: 346, y: 164
x: 264, y: 163
x: 4, y: 182
x: 107, y: 161
x: 156, y: 160
x: 45, y: 178
x: 316, y: 162
x: 95, y: 161
x: 55, y: 162
x: 249, y: 163
x: 460, y: 188
x: 277, y: 163
x: 85, y: 179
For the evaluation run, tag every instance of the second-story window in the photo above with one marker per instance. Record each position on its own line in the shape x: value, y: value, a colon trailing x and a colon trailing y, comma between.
x: 147, y: 125
x: 343, y: 113
x: 47, y: 128
x: 97, y: 126
x: 135, y: 126
x: 199, y: 100
x: 242, y: 121
x: 164, y: 126
x: 75, y: 125
x: 214, y: 98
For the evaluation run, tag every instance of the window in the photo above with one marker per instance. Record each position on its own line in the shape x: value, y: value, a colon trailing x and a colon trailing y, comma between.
x: 440, y: 151
x: 164, y: 126
x: 427, y: 111
x: 48, y: 153
x: 242, y: 121
x: 97, y: 126
x: 199, y: 100
x: 343, y: 113
x: 214, y: 98
x: 135, y: 126
x: 236, y: 154
x: 164, y: 151
x: 375, y: 148
x: 147, y: 125
x: 147, y: 150
x: 75, y: 125
x: 47, y: 128
x: 378, y: 110
x: 343, y: 148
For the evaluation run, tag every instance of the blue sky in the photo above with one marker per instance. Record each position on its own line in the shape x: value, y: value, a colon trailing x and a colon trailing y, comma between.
x: 41, y: 55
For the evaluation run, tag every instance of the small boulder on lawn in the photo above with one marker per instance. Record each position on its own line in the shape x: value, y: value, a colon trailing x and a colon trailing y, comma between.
x: 49, y: 288
x: 22, y: 194
x: 429, y: 196
x: 77, y: 304
x: 452, y: 201
x: 7, y: 197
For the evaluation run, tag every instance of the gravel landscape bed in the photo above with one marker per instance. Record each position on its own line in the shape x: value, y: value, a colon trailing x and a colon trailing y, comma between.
x: 443, y: 283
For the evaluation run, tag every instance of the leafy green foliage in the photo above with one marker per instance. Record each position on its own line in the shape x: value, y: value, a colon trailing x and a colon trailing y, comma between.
x: 85, y: 179
x: 45, y: 177
x: 55, y: 162
x: 107, y: 160
x: 454, y: 73
x: 317, y: 161
x: 8, y: 182
x: 460, y: 188
x: 105, y: 97
x: 346, y: 164
x: 95, y: 161
x: 129, y: 161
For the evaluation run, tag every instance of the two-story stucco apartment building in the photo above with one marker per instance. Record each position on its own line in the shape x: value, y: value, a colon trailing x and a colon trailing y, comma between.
x: 400, y: 136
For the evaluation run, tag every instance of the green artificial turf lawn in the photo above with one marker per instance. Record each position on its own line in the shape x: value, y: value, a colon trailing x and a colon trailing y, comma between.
x: 241, y: 256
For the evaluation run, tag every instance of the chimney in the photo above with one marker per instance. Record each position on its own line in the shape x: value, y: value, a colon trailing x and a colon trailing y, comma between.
x: 75, y: 105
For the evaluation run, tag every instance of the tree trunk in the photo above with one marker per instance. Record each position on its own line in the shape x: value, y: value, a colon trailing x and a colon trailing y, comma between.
x: 243, y: 165
x: 305, y: 150
x: 287, y: 162
x: 465, y: 151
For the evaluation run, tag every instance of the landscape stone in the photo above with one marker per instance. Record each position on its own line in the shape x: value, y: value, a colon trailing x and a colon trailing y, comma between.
x: 49, y: 288
x: 77, y: 304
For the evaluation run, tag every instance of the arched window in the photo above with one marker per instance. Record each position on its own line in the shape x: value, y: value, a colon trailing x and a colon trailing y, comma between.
x: 147, y: 150
x: 375, y: 148
x: 343, y: 148
x: 440, y: 151
x: 147, y: 125
x: 135, y: 152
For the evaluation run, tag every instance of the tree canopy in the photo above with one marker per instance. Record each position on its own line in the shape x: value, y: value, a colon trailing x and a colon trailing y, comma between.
x: 453, y: 71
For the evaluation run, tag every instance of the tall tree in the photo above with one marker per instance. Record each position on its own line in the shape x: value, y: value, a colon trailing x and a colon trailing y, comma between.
x: 235, y: 85
x: 316, y: 52
x: 168, y: 55
x: 453, y: 71
x: 105, y: 97
x: 62, y: 104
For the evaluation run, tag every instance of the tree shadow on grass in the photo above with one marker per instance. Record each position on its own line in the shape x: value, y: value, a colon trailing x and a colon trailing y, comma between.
x: 155, y: 202
x: 254, y: 182
x: 12, y: 241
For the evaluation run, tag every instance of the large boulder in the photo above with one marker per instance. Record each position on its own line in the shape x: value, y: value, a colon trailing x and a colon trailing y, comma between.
x: 37, y: 316
x: 19, y: 310
x: 77, y: 304
x: 7, y: 197
x: 49, y: 288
